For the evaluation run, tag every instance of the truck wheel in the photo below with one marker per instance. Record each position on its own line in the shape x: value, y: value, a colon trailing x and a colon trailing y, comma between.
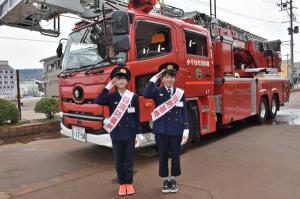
x: 274, y: 107
x: 263, y: 110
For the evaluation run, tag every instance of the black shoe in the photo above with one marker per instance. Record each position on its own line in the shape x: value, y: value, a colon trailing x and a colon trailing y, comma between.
x: 166, y: 186
x: 173, y: 186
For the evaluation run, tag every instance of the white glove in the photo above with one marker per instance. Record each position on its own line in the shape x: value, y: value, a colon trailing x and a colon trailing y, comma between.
x: 109, y: 86
x: 185, y: 136
x: 154, y: 79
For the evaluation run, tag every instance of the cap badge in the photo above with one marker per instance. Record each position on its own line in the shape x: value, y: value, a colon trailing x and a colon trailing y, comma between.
x: 123, y: 71
x: 170, y: 67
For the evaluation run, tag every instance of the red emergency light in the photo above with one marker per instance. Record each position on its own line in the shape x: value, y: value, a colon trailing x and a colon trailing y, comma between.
x: 142, y: 5
x: 81, y: 24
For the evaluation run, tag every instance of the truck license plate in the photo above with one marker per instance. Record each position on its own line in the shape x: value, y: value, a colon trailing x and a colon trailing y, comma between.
x: 79, y: 133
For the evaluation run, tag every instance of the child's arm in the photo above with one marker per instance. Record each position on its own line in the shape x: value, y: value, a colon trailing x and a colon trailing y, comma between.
x: 102, y: 98
x: 151, y: 90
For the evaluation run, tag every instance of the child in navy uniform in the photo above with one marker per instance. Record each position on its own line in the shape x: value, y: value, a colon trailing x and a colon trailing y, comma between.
x: 123, y: 125
x: 170, y: 123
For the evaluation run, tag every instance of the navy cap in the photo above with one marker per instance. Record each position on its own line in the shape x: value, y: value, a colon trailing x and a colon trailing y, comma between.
x: 171, y: 68
x: 121, y: 71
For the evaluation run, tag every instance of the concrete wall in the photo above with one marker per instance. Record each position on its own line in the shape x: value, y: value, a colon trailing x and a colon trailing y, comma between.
x: 53, y: 67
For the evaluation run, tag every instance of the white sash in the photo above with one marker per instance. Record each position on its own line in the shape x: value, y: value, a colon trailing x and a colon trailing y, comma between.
x: 167, y: 105
x: 119, y: 111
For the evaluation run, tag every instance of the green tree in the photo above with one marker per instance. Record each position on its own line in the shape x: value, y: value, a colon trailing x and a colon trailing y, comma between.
x: 8, y: 112
x: 48, y: 106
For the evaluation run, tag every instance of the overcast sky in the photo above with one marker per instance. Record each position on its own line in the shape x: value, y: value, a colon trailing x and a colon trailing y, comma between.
x: 261, y: 17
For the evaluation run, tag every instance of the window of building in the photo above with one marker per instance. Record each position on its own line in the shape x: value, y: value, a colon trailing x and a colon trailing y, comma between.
x: 50, y: 67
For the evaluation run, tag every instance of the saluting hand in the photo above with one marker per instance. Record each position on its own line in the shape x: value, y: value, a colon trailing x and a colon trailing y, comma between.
x: 159, y: 75
x: 111, y: 84
x: 113, y: 81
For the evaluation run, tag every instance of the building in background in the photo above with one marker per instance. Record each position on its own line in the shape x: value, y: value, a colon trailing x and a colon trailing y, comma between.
x: 52, y: 67
x: 8, y: 81
x: 30, y: 88
x: 284, y: 69
x: 297, y: 69
x: 31, y: 83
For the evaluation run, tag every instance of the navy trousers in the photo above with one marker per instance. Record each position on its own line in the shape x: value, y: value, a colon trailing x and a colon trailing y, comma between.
x: 168, y: 146
x: 123, y: 155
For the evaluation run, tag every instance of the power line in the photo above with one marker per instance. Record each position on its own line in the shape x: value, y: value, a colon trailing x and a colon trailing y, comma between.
x: 31, y: 40
x: 268, y: 2
x: 260, y: 24
x: 236, y: 13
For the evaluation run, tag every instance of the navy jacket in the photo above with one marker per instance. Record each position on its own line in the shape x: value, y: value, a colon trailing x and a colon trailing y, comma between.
x: 129, y: 125
x: 174, y: 121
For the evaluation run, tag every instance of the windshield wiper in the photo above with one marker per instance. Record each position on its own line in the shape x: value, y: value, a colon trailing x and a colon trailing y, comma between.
x: 94, y: 66
x: 100, y: 64
x: 65, y: 73
x: 76, y: 71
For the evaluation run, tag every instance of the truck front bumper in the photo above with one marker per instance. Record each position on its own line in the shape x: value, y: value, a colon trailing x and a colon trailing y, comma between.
x: 105, y: 140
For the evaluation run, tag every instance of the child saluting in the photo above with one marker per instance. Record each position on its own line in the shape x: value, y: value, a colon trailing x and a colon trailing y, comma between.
x: 123, y: 125
x: 170, y: 124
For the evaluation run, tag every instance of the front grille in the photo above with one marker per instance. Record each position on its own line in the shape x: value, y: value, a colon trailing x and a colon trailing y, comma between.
x: 84, y: 117
x: 82, y: 113
x: 86, y: 101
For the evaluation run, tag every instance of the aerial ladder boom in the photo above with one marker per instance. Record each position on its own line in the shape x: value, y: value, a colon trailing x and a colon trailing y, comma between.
x: 28, y: 14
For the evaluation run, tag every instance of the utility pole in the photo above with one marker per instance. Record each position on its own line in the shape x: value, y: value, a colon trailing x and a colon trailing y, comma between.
x: 213, y: 8
x: 292, y: 41
x: 288, y: 6
x: 288, y: 65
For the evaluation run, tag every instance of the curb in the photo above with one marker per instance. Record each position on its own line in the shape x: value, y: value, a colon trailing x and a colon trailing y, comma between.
x: 295, y: 90
x: 29, y: 129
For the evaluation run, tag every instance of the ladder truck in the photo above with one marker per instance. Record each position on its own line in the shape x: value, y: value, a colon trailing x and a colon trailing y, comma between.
x: 228, y: 74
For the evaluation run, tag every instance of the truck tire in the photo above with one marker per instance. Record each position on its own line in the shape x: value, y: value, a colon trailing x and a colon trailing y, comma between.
x: 274, y: 107
x: 263, y: 110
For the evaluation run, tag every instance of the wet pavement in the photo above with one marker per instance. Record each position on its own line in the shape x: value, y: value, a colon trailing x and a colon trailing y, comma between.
x: 248, y: 160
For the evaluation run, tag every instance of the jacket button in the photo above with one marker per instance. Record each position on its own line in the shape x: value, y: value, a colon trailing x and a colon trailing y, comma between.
x: 176, y: 119
x: 169, y: 118
x: 127, y: 125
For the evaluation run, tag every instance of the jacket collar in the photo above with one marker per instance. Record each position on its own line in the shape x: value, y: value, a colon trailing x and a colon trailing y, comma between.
x: 163, y: 87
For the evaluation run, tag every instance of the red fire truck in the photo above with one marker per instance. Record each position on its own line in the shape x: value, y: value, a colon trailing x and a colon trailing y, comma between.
x: 228, y: 74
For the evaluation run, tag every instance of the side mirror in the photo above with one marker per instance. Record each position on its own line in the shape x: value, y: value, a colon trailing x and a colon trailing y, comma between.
x: 121, y: 43
x: 59, y: 50
x: 120, y: 23
x: 120, y: 31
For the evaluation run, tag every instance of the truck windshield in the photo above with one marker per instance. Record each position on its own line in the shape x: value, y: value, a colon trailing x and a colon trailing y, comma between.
x: 82, y: 50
